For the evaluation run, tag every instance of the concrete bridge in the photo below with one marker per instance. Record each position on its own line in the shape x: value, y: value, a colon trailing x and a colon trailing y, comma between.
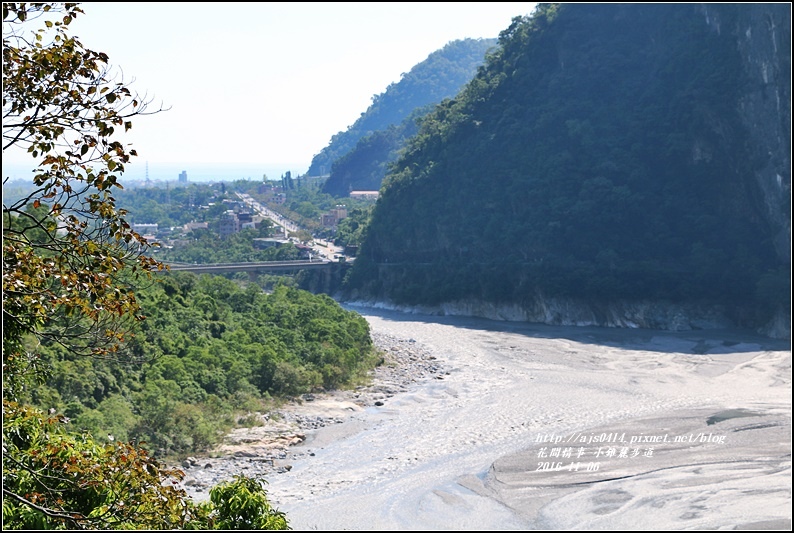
x: 253, y: 268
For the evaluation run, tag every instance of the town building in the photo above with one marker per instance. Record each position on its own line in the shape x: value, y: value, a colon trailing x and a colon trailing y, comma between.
x: 228, y: 223
x: 332, y: 218
x: 190, y: 226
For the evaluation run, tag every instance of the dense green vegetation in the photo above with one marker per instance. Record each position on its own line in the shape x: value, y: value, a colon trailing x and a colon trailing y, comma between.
x: 170, y: 206
x: 208, y: 351
x: 599, y: 155
x: 364, y: 167
x: 95, y: 484
x: 350, y: 230
x: 439, y: 76
x: 205, y: 246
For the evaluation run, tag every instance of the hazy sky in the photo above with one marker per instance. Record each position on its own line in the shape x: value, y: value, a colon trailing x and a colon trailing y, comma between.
x: 267, y: 84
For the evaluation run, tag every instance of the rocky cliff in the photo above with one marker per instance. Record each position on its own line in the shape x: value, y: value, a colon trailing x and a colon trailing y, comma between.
x: 763, y: 38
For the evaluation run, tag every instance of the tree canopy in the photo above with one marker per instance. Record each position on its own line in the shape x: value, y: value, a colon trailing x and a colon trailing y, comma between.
x: 70, y: 266
x: 66, y: 247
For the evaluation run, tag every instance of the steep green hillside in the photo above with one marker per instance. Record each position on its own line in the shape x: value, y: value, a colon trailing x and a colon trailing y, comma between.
x: 440, y: 76
x: 364, y: 167
x: 601, y: 154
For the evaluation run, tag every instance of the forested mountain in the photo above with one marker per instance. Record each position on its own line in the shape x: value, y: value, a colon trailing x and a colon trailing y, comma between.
x: 440, y: 76
x: 364, y: 167
x: 605, y: 153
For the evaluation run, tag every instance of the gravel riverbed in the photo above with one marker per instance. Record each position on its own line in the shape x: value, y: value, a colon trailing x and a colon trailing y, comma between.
x: 462, y: 428
x: 268, y: 450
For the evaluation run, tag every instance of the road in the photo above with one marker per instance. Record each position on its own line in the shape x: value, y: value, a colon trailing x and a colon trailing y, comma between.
x: 324, y: 249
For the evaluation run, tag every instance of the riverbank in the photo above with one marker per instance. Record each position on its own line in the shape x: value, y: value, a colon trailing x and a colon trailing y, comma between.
x: 623, y: 314
x: 270, y: 446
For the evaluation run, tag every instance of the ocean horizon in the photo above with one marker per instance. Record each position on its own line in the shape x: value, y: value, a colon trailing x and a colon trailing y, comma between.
x: 196, y: 172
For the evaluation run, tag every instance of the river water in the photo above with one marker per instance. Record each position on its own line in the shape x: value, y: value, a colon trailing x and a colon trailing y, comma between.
x: 464, y: 452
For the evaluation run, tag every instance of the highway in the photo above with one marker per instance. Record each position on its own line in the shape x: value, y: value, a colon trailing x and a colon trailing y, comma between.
x: 327, y: 250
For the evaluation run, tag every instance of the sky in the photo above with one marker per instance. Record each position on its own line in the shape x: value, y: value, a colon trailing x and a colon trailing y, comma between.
x: 261, y: 87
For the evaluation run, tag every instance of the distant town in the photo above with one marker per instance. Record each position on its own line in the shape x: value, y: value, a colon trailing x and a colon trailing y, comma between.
x: 247, y: 212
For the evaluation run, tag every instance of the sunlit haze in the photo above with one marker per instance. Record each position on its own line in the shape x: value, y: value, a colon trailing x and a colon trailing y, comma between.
x: 260, y: 88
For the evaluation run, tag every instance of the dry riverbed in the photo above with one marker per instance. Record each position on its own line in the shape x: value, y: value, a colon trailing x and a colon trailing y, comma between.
x: 480, y: 425
x: 270, y: 448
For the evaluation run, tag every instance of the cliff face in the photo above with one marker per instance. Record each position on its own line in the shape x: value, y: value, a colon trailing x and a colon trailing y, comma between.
x: 763, y: 38
x: 608, y: 160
